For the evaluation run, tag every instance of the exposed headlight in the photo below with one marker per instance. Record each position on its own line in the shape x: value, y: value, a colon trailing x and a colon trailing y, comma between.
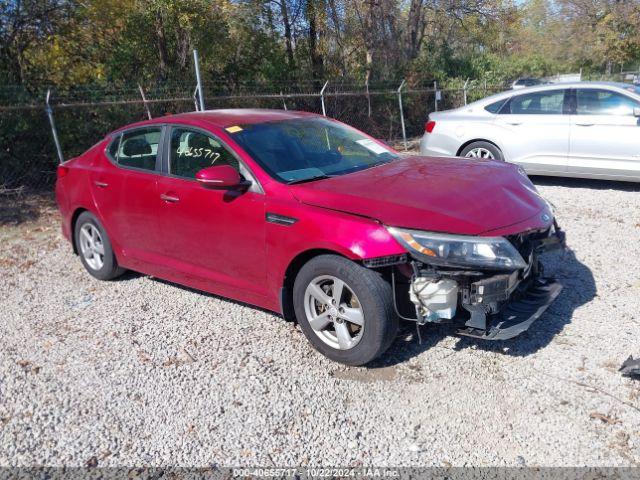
x: 460, y: 250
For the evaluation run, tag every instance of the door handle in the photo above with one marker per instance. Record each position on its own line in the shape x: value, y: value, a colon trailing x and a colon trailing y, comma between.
x: 585, y: 124
x: 169, y: 198
x: 101, y: 184
x: 515, y: 123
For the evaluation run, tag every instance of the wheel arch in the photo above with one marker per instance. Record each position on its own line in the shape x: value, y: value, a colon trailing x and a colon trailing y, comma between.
x: 286, y: 289
x: 74, y: 218
x: 469, y: 142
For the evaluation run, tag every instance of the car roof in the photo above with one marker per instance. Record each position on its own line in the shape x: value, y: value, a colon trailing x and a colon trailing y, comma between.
x: 553, y: 86
x: 224, y: 118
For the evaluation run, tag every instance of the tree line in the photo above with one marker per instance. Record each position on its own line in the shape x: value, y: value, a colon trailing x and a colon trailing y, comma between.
x: 282, y: 43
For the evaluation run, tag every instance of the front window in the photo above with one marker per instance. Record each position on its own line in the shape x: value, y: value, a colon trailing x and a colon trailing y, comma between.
x: 603, y: 102
x: 300, y: 150
x: 192, y: 150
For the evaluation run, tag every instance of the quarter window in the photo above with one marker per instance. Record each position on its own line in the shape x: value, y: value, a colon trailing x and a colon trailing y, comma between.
x: 537, y: 103
x: 138, y: 148
x: 495, y: 106
x: 191, y: 151
x: 113, y: 147
x: 603, y: 102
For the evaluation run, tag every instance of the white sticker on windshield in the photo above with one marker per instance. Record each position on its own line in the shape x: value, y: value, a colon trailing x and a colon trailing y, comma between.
x: 373, y: 146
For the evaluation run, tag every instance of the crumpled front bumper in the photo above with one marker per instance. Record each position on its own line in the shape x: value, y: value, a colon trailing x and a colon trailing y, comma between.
x: 521, y: 307
x: 517, y: 315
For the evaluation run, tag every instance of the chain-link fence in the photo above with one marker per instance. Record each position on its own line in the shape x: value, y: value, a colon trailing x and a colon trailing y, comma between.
x: 28, y: 155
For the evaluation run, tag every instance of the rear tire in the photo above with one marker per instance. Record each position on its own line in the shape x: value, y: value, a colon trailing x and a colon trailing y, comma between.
x: 94, y: 248
x: 482, y: 150
x: 344, y: 309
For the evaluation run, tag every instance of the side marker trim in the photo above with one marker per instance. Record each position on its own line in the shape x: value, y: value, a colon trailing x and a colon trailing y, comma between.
x: 280, y: 219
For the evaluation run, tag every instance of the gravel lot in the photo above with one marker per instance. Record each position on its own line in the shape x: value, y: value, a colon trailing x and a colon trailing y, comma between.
x: 144, y: 372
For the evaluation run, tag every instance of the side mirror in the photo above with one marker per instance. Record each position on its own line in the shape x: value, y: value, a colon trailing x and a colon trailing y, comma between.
x: 636, y: 112
x: 222, y: 176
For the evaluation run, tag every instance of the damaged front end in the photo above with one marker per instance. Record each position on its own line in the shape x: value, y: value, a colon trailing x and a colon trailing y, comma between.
x: 492, y: 287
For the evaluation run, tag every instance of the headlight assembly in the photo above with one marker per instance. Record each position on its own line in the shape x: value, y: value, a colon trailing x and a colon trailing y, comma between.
x: 495, y: 253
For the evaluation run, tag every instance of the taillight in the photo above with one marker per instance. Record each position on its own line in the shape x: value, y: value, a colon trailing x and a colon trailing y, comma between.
x: 62, y: 171
x: 429, y: 126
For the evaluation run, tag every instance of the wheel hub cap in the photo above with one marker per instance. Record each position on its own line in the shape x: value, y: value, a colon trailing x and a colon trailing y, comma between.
x: 91, y: 246
x: 479, y: 152
x: 334, y: 312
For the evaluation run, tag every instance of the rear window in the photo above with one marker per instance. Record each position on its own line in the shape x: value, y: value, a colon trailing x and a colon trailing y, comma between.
x: 137, y: 148
x: 548, y: 102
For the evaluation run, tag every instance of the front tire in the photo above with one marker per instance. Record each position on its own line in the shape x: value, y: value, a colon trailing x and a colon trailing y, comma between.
x: 482, y: 150
x: 344, y: 309
x: 95, y: 248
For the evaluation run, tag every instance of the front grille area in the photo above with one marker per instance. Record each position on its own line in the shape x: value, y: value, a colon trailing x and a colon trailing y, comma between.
x: 385, y: 261
x: 526, y: 242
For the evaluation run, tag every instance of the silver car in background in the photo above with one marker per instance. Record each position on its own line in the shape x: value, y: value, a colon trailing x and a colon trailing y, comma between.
x: 582, y: 129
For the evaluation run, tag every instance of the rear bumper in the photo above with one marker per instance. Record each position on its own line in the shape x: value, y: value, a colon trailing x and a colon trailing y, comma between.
x: 437, y: 145
x: 518, y: 315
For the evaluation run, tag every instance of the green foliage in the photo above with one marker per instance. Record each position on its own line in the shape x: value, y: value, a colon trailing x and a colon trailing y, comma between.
x: 70, y: 43
x: 97, y: 50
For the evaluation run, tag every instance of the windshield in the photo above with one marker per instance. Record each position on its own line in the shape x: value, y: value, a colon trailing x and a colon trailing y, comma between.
x: 301, y: 150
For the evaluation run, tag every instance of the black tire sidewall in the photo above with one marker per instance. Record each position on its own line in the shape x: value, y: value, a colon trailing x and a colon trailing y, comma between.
x: 374, y: 294
x: 497, y: 153
x: 110, y: 267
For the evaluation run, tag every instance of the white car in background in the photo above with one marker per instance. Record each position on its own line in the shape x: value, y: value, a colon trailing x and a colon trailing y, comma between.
x: 581, y: 129
x: 525, y: 82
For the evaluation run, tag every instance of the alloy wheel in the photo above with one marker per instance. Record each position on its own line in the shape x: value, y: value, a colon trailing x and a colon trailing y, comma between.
x: 479, y: 152
x: 91, y: 246
x: 334, y: 312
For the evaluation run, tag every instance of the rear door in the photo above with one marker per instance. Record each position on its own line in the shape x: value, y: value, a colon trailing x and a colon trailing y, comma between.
x: 212, y: 234
x: 605, y: 135
x: 124, y: 186
x: 535, y: 131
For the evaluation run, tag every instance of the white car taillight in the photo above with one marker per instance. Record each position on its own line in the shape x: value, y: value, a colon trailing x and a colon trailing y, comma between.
x: 429, y: 126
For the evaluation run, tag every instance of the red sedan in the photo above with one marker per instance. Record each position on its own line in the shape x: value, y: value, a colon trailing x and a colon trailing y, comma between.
x: 305, y: 216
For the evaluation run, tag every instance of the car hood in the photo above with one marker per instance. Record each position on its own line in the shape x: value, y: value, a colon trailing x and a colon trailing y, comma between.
x: 453, y: 195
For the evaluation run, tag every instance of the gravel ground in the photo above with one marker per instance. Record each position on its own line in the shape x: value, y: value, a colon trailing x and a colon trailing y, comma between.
x: 144, y: 372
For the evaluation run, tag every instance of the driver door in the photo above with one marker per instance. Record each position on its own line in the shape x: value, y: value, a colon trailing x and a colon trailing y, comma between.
x: 605, y: 134
x: 211, y: 235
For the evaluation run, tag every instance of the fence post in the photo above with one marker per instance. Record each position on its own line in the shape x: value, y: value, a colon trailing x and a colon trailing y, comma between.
x: 404, y: 132
x: 324, y: 112
x: 435, y: 95
x: 197, y: 67
x: 195, y: 98
x: 144, y: 101
x: 283, y: 100
x: 49, y: 111
x: 465, y: 90
x: 366, y: 84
